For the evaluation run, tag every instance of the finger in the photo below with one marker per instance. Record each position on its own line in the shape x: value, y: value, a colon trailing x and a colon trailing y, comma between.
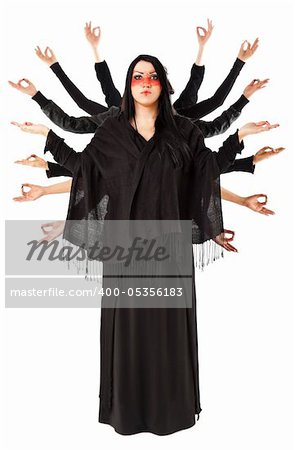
x: 17, y: 124
x: 264, y: 150
x: 14, y: 85
x: 267, y: 212
x: 278, y: 150
x: 20, y: 199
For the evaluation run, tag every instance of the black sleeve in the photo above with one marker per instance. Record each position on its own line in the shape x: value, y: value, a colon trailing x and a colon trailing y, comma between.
x: 63, y: 120
x: 242, y: 165
x: 227, y: 152
x: 111, y: 93
x: 189, y: 95
x: 83, y: 102
x: 55, y: 170
x: 224, y: 121
x: 62, y: 153
x: 205, y: 107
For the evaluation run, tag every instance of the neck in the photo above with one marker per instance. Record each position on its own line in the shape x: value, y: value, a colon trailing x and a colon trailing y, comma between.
x: 146, y: 113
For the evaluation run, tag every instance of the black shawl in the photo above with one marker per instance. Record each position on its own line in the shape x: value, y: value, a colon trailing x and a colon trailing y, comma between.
x: 113, y: 180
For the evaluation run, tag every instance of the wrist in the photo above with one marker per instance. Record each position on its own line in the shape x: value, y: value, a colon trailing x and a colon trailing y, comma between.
x: 44, y: 190
x: 242, y: 201
x: 241, y: 134
x: 45, y: 131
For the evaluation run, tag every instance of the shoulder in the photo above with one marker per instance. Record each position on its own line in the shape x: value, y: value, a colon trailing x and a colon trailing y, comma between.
x: 187, y: 127
x: 99, y: 119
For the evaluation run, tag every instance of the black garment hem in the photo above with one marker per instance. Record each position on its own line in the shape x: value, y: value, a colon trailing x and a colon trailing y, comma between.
x: 148, y: 430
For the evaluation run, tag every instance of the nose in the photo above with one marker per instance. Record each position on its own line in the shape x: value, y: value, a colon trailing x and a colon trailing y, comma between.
x: 146, y: 82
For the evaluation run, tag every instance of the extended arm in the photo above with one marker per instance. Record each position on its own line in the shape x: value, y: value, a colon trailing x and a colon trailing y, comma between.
x: 234, y: 144
x: 103, y: 74
x: 189, y: 95
x: 251, y: 202
x: 205, y: 107
x: 35, y: 191
x: 223, y: 122
x: 89, y: 106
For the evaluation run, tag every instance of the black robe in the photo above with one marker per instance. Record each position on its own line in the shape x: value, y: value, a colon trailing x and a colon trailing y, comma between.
x: 149, y: 356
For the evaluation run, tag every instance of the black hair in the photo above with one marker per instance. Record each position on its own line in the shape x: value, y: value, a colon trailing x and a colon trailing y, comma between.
x: 171, y: 137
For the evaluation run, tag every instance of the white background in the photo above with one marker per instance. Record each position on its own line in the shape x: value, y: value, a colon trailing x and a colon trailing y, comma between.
x: 245, y: 301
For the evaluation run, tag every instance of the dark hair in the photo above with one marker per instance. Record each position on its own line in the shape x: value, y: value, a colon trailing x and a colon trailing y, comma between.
x: 171, y: 137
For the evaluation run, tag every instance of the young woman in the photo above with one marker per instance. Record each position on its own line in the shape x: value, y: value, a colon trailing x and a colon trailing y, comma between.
x: 145, y: 163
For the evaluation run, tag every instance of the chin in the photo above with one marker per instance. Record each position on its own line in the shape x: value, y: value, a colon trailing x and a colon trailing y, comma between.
x: 146, y: 101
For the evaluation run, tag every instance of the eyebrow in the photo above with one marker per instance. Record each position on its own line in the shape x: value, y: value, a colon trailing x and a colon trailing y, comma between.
x: 137, y: 71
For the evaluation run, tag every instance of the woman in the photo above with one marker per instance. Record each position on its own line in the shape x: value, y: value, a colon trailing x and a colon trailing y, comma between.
x: 146, y: 163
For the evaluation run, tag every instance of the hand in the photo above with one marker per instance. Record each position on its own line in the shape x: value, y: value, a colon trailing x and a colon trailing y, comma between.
x: 29, y: 127
x: 33, y: 161
x: 253, y: 203
x: 29, y: 89
x: 255, y: 127
x: 52, y: 230
x: 48, y: 56
x: 33, y: 193
x: 254, y: 86
x: 266, y: 152
x: 92, y: 35
x: 224, y: 241
x: 246, y: 52
x: 202, y: 34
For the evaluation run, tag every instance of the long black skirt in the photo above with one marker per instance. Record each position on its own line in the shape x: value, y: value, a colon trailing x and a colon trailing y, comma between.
x: 149, y: 380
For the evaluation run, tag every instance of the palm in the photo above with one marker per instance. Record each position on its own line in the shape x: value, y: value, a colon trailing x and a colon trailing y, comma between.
x: 34, y: 193
x: 266, y: 152
x: 252, y: 202
x: 33, y: 161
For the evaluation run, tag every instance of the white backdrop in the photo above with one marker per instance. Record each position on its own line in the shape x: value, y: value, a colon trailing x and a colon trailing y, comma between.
x: 245, y: 301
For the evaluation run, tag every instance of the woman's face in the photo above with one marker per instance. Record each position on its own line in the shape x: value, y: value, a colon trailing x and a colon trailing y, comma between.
x: 145, y: 84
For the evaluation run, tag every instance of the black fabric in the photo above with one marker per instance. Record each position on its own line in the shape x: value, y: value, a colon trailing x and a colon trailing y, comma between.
x: 205, y: 107
x: 79, y: 98
x: 56, y: 170
x: 189, y: 95
x: 103, y: 74
x: 149, y: 357
x: 87, y: 124
x: 203, y: 207
x: 185, y: 105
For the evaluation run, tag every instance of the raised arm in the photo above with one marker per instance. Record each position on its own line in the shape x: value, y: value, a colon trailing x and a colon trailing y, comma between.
x: 89, y: 106
x: 223, y: 122
x: 54, y: 112
x: 205, y: 107
x: 189, y: 95
x: 103, y: 74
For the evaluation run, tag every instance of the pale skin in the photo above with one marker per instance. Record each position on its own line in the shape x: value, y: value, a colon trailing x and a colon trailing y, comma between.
x: 93, y: 36
x: 203, y: 35
x: 146, y: 111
